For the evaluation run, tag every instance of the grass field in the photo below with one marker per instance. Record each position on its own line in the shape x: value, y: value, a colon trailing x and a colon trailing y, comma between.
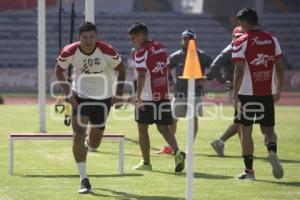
x: 46, y: 169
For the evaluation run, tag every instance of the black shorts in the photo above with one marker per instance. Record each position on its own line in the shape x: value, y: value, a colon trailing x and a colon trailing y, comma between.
x: 96, y: 110
x: 256, y: 109
x: 158, y: 112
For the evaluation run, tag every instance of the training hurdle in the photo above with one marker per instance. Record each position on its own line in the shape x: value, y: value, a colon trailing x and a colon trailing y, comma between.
x: 44, y: 136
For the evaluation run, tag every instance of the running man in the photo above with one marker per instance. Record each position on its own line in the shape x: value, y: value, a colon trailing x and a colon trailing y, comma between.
x: 91, y: 93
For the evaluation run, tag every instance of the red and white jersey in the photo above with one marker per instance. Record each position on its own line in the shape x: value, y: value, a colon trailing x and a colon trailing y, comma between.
x: 93, y: 75
x: 152, y: 58
x: 258, y: 50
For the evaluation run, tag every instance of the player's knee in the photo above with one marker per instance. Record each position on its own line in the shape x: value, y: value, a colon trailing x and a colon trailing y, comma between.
x: 78, y: 139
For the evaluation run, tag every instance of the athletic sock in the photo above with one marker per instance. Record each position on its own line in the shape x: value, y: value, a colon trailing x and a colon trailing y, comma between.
x: 272, y: 146
x: 82, y: 170
x: 248, y: 161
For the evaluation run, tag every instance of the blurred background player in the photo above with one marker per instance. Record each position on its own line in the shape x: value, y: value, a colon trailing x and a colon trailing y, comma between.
x: 257, y: 84
x: 222, y: 69
x: 87, y: 88
x: 179, y: 104
x: 132, y: 70
x: 152, y: 96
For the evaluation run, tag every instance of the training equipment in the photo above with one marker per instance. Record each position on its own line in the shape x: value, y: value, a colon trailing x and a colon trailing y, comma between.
x: 41, y: 136
x: 192, y: 71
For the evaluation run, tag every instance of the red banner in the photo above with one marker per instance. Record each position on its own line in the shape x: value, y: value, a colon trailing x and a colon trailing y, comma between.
x: 22, y: 4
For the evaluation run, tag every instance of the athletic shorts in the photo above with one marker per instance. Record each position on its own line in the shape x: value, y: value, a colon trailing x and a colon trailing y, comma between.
x: 96, y: 110
x: 180, y: 107
x: 156, y: 112
x: 256, y: 109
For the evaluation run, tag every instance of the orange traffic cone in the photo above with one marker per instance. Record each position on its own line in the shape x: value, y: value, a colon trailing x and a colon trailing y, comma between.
x: 192, y: 66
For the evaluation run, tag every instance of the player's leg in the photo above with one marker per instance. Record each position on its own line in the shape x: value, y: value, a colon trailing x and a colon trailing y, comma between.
x: 168, y: 135
x: 94, y: 138
x: 144, y: 142
x: 79, y: 124
x: 218, y: 144
x: 246, y: 119
x: 267, y: 123
x: 98, y: 116
x: 143, y: 119
x: 163, y: 120
x: 231, y: 130
x: 79, y: 130
x: 179, y: 108
x: 166, y: 149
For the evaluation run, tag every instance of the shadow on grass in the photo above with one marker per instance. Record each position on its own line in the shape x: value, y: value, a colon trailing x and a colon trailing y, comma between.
x: 76, y: 176
x: 136, y: 142
x: 115, y: 153
x: 211, y: 176
x: 196, y: 175
x: 255, y: 157
x: 127, y: 196
x: 296, y: 184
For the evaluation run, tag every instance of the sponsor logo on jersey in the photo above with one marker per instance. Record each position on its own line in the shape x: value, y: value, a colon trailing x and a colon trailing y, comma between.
x: 262, y: 59
x: 255, y: 41
x: 160, y: 66
x: 157, y: 51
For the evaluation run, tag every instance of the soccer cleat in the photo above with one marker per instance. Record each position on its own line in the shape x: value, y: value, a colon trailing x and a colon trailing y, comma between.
x: 165, y: 150
x: 85, y: 186
x: 179, y: 161
x: 142, y: 166
x: 276, y: 166
x: 218, y: 146
x: 247, y: 174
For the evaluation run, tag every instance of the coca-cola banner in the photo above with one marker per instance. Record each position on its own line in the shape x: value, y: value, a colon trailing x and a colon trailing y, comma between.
x: 26, y: 80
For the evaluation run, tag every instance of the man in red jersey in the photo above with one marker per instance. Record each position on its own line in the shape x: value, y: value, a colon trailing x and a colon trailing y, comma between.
x: 152, y: 96
x: 258, y: 79
x: 91, y: 94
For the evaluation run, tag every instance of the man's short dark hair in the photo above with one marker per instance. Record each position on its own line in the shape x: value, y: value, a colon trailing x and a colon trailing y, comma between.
x: 138, y: 27
x: 249, y: 15
x: 87, y: 26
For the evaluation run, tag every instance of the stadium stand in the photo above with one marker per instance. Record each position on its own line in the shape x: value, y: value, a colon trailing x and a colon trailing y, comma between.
x: 18, y: 32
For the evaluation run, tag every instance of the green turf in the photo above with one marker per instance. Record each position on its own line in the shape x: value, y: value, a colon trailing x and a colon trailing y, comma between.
x: 46, y: 169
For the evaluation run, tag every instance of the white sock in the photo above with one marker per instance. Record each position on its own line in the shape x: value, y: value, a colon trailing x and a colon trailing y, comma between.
x: 221, y: 141
x: 82, y: 170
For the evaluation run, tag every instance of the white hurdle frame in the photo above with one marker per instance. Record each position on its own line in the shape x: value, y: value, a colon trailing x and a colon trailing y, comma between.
x: 42, y: 136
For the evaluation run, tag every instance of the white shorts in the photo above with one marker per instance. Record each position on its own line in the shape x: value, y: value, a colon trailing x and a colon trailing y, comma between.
x: 179, y: 107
